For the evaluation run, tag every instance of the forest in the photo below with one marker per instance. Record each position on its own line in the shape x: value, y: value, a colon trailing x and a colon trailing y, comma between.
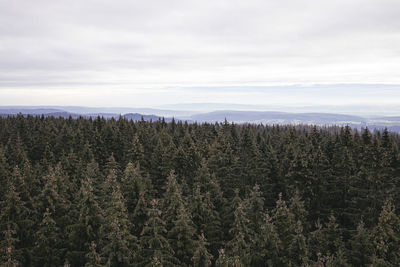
x: 114, y: 192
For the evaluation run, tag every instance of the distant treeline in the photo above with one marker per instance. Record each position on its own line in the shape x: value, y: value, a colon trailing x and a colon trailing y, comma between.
x: 97, y: 192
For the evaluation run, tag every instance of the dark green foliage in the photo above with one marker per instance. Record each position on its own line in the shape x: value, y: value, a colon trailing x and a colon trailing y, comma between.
x: 201, y: 256
x: 361, y: 247
x: 85, y: 232
x: 290, y: 232
x: 97, y: 192
x: 118, y: 244
x: 93, y: 259
x: 9, y: 254
x: 181, y: 231
x: 386, y: 237
x: 155, y: 248
x: 48, y: 250
x: 267, y: 244
x: 238, y: 249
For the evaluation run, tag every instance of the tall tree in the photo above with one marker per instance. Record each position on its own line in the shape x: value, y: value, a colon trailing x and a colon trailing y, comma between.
x: 155, y: 247
x: 386, y: 237
x: 118, y: 244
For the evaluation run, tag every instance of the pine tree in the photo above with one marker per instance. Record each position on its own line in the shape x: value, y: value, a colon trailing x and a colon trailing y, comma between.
x: 178, y: 222
x: 93, y: 259
x: 254, y: 206
x: 328, y: 244
x: 172, y: 200
x: 162, y: 162
x: 51, y: 215
x: 223, y: 260
x: 9, y: 254
x: 136, y: 151
x: 207, y: 220
x: 48, y: 250
x: 267, y: 243
x: 139, y: 216
x: 223, y: 163
x: 12, y: 224
x: 85, y: 231
x: 386, y: 237
x: 187, y: 160
x: 155, y: 247
x: 201, y: 256
x: 249, y: 159
x: 132, y: 185
x: 238, y: 248
x: 293, y: 249
x: 181, y: 237
x: 4, y: 172
x: 361, y: 247
x: 118, y: 244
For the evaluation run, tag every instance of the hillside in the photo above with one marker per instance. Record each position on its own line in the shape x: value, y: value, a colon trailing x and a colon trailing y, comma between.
x: 85, y: 190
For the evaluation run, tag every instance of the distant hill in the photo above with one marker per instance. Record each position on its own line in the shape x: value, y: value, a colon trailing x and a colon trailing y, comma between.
x: 392, y: 123
x: 138, y: 117
x: 65, y: 114
x: 93, y: 110
x: 278, y: 117
x: 26, y: 111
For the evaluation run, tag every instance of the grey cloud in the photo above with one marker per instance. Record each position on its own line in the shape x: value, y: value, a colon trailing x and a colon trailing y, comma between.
x: 46, y: 42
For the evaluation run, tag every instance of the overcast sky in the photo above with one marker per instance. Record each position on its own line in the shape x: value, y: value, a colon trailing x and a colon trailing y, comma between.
x: 148, y: 53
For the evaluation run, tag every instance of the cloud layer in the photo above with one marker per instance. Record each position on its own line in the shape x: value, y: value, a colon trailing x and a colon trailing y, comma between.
x: 140, y: 48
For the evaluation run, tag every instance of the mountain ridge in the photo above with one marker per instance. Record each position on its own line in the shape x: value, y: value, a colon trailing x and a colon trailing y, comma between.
x: 236, y: 116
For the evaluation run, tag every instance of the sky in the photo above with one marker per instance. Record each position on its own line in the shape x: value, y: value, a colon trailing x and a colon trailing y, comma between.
x: 151, y: 53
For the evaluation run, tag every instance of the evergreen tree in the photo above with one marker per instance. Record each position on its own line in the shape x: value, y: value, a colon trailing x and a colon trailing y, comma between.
x: 239, y: 247
x: 9, y: 254
x: 181, y: 237
x: 54, y: 211
x: 155, y: 247
x: 361, y: 247
x: 328, y: 244
x: 85, y: 231
x: 178, y: 222
x: 290, y: 232
x: 132, y: 185
x: 118, y: 244
x: 386, y: 237
x: 162, y: 162
x: 207, y: 220
x: 140, y: 214
x: 48, y: 250
x: 93, y: 259
x: 13, y: 222
x: 268, y: 244
x: 4, y: 172
x: 201, y: 256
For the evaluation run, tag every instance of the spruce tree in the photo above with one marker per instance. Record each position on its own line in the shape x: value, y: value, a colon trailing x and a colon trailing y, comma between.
x: 201, y: 256
x: 238, y: 249
x: 93, y: 259
x: 155, y: 247
x: 386, y: 237
x: 267, y: 244
x: 207, y: 220
x: 293, y: 250
x: 48, y: 250
x: 118, y: 244
x: 9, y: 254
x: 132, y: 185
x: 178, y: 222
x: 12, y: 217
x: 361, y: 247
x: 85, y: 230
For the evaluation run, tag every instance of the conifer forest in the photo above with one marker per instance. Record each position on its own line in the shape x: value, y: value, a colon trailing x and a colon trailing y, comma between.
x: 96, y: 192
